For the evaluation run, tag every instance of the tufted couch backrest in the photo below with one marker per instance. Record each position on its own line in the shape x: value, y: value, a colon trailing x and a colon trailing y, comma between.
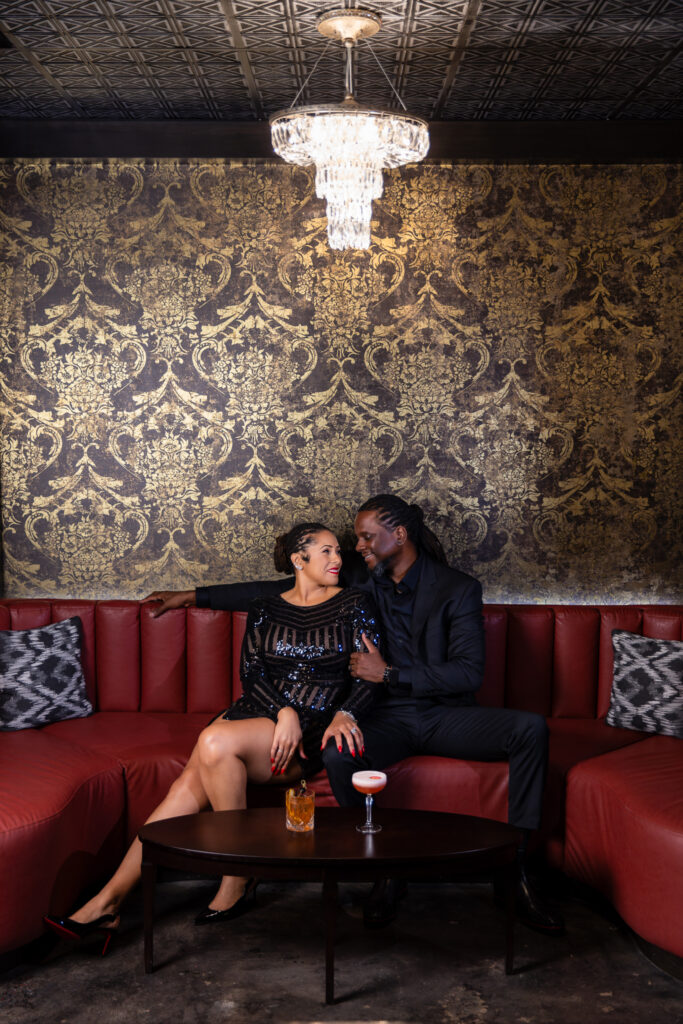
x: 553, y: 659
x: 557, y: 659
x: 181, y: 661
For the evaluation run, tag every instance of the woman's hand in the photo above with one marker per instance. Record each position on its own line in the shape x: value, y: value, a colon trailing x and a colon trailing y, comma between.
x: 343, y: 727
x: 286, y: 739
x: 171, y: 599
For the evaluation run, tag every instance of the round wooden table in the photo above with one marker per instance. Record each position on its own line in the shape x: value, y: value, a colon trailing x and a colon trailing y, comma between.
x: 256, y: 843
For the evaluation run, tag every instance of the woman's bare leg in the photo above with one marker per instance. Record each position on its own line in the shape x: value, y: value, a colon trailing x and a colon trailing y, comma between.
x: 230, y: 753
x: 225, y: 756
x: 186, y: 796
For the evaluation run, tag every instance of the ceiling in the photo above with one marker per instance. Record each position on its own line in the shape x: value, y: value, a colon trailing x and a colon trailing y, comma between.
x: 240, y: 60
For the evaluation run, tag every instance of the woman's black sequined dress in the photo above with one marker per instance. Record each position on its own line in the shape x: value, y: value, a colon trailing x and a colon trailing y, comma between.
x: 298, y: 657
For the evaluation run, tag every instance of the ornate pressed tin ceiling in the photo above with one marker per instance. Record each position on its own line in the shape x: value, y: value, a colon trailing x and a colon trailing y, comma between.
x: 240, y: 60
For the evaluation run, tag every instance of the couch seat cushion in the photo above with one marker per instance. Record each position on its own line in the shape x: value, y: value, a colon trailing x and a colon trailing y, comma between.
x: 448, y: 784
x: 151, y: 746
x: 61, y: 820
x: 624, y: 834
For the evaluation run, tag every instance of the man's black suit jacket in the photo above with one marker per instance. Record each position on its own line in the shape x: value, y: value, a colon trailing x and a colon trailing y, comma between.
x: 447, y: 626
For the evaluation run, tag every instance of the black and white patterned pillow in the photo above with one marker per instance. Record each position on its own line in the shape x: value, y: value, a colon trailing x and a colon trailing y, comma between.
x: 41, y: 678
x: 647, y: 688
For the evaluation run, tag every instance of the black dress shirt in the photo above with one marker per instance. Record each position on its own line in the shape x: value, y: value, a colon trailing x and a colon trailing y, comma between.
x: 396, y: 602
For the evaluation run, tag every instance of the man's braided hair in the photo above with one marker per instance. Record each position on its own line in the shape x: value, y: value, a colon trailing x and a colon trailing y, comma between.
x: 393, y: 511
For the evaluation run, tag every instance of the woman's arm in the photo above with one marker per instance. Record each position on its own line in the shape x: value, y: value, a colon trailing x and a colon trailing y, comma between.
x: 362, y: 632
x: 254, y: 675
x: 257, y: 685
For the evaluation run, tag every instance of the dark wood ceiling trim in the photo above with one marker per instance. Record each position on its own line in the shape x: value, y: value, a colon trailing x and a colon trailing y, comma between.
x: 460, y: 141
x: 233, y: 26
x: 571, y: 142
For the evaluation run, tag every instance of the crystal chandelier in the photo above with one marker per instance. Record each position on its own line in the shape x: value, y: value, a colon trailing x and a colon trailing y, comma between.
x: 349, y: 144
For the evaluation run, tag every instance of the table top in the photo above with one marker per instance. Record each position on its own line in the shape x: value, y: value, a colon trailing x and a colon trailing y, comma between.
x: 258, y: 837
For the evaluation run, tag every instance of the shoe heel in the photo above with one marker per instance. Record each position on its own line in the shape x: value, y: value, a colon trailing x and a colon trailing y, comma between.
x: 243, y: 904
x: 74, y: 931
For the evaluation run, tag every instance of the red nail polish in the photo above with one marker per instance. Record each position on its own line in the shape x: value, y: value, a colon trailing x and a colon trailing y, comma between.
x: 353, y: 753
x: 282, y: 771
x: 340, y: 750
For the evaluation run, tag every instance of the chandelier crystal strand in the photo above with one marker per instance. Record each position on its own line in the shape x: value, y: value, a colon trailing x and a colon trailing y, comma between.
x: 349, y: 145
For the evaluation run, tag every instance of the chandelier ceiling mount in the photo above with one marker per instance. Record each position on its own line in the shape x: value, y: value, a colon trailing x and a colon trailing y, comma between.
x: 349, y: 24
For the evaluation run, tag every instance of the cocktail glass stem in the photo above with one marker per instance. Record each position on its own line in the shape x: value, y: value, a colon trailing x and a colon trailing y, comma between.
x: 368, y: 810
x: 368, y: 825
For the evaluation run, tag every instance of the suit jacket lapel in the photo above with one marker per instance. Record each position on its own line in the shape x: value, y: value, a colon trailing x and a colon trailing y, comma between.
x: 424, y: 597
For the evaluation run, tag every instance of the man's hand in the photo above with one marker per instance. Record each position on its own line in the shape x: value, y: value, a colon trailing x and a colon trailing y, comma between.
x: 368, y: 664
x: 287, y: 739
x: 171, y: 599
x: 342, y: 727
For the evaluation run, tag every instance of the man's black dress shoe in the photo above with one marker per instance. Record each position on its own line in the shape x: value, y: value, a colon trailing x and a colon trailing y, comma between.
x: 382, y: 905
x: 243, y: 904
x: 530, y: 907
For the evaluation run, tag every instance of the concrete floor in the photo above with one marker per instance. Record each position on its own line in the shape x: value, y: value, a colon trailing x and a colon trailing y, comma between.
x: 441, y: 961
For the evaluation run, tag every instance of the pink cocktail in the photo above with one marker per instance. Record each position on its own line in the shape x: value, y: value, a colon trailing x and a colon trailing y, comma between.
x: 369, y: 782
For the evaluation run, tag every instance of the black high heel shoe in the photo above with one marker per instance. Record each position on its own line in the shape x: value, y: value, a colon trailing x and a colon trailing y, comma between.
x: 67, y: 928
x: 243, y: 904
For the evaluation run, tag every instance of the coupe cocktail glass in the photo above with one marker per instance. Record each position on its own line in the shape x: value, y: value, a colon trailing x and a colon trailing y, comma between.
x: 369, y: 783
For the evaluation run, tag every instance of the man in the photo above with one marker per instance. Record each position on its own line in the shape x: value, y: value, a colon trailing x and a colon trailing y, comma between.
x: 434, y: 647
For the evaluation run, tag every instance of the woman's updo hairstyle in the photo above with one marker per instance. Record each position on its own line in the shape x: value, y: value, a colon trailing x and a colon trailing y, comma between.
x: 298, y: 539
x: 393, y: 511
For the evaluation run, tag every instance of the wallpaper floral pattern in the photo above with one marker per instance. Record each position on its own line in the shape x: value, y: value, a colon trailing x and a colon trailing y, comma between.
x: 187, y: 368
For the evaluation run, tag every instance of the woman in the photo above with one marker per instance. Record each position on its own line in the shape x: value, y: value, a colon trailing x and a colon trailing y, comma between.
x: 298, y: 696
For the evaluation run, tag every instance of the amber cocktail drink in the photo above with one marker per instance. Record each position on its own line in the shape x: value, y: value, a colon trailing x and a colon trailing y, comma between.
x: 369, y: 783
x: 300, y: 809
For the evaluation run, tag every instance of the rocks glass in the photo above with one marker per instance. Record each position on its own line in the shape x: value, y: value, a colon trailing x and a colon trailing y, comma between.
x: 300, y: 809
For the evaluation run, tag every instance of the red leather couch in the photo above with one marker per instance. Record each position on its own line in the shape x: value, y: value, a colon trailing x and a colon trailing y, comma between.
x: 72, y: 794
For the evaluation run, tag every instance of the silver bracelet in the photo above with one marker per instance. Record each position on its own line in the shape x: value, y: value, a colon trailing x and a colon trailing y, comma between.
x: 349, y: 715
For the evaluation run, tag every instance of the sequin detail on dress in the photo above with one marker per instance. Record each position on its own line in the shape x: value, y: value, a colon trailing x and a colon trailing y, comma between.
x: 298, y: 657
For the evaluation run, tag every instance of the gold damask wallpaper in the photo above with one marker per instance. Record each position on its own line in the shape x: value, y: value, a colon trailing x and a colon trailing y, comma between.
x: 187, y: 368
